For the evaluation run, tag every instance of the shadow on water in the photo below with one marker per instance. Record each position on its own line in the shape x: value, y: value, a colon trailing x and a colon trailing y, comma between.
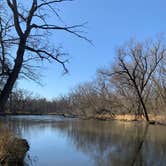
x: 104, y: 143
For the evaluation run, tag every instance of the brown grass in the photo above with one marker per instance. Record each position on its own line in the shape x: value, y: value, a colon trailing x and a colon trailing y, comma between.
x: 128, y: 117
x: 6, y: 138
x: 12, y: 148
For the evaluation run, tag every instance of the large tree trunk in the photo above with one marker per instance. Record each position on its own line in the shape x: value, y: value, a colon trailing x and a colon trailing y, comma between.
x: 12, y: 77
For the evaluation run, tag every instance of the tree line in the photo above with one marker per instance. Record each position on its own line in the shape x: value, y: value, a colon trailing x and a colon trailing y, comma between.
x: 134, y: 84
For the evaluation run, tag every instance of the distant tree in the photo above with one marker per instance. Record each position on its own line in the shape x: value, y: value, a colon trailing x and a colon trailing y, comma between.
x: 25, y: 28
x: 19, y: 100
x: 159, y: 86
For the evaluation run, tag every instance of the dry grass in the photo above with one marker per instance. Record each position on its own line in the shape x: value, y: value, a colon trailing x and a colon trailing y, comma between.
x: 12, y: 149
x: 128, y: 117
x: 6, y: 138
x: 158, y: 118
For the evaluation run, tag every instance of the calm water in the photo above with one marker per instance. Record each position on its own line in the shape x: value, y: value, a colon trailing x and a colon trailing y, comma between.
x: 56, y: 141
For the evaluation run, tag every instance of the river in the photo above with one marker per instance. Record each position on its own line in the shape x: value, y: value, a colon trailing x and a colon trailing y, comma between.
x: 59, y: 141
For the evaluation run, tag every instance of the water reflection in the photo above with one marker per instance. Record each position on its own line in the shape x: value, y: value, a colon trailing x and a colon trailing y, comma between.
x: 91, y: 142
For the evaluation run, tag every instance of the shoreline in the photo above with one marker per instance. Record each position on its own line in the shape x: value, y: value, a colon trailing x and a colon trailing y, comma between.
x: 154, y: 119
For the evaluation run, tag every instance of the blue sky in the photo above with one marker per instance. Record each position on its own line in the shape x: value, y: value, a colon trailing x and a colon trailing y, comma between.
x: 110, y: 24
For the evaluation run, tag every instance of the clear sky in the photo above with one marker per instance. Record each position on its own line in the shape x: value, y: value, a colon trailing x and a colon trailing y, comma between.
x: 110, y: 24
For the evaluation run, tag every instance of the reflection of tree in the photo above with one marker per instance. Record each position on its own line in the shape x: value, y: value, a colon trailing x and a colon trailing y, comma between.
x: 106, y: 143
x: 154, y: 149
x: 117, y: 143
x: 139, y: 145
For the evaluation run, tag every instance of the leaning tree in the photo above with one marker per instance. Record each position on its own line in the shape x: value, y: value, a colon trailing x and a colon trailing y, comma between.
x: 25, y: 39
x: 137, y: 63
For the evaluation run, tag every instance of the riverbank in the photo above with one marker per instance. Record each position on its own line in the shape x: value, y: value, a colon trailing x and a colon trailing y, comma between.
x: 12, y: 149
x: 154, y: 119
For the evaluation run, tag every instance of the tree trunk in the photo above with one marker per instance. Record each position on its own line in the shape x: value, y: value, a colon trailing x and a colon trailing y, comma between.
x: 12, y: 77
x: 145, y: 110
x: 142, y: 102
x: 143, y: 105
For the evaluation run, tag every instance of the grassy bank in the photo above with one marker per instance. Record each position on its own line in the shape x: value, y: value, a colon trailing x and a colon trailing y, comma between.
x: 158, y: 119
x: 12, y: 148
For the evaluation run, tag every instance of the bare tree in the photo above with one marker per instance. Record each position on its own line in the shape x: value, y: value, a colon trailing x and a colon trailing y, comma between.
x: 159, y: 86
x: 25, y: 29
x: 136, y: 64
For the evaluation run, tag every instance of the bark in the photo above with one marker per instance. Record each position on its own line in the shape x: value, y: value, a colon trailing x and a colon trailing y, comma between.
x: 13, y: 76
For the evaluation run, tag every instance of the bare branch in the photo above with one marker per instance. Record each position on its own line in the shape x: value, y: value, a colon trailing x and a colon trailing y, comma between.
x: 41, y: 53
x: 69, y: 29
